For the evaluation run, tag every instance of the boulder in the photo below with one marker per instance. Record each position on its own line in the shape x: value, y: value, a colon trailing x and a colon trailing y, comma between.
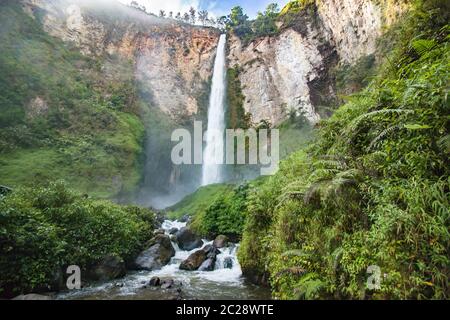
x: 155, y: 282
x: 211, y: 251
x: 194, y: 261
x: 110, y: 268
x: 173, y: 231
x: 187, y: 240
x: 185, y: 219
x: 32, y: 296
x: 159, y: 231
x: 228, y: 263
x: 208, y: 265
x: 167, y: 284
x: 159, y: 254
x: 221, y: 241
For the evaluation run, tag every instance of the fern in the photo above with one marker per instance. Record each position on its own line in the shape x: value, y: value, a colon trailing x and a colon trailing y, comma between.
x: 367, y: 116
x: 375, y: 142
x: 310, y: 287
x: 423, y: 46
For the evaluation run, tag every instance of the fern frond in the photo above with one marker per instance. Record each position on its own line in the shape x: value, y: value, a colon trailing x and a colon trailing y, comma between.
x: 322, y: 174
x: 355, y: 123
x: 444, y: 143
x: 423, y: 46
x: 383, y: 135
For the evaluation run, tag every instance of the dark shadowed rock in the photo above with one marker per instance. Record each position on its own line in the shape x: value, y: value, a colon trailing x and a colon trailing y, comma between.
x: 221, y: 241
x: 155, y: 282
x: 211, y: 251
x: 167, y: 284
x: 159, y: 231
x: 185, y: 219
x: 194, y: 261
x: 158, y: 254
x: 228, y: 263
x: 110, y: 268
x: 173, y: 230
x: 208, y: 265
x: 187, y: 240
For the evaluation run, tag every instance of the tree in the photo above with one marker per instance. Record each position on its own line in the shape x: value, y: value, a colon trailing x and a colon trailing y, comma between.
x: 265, y: 23
x: 171, y: 14
x: 203, y: 16
x: 192, y: 14
x: 178, y: 16
x: 135, y: 5
x: 162, y: 13
x: 237, y: 17
x: 186, y: 17
x: 222, y: 22
x: 239, y: 23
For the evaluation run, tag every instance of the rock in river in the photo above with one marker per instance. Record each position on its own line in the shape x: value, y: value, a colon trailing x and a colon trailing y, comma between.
x: 220, y: 241
x: 194, y: 261
x: 158, y: 254
x: 111, y: 267
x: 187, y: 240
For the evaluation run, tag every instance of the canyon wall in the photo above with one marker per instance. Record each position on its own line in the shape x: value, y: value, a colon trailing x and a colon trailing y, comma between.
x: 291, y: 70
x: 173, y: 62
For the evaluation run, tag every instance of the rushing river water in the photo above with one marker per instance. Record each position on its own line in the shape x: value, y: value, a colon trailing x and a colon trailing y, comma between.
x: 220, y: 284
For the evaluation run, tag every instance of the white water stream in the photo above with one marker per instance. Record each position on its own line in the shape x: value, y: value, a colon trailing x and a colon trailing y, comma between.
x: 222, y: 283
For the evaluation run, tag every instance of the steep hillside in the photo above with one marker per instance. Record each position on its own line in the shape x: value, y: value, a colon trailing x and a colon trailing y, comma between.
x: 369, y: 200
x: 86, y: 88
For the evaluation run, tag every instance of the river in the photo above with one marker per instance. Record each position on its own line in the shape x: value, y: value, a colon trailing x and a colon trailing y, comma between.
x: 220, y: 284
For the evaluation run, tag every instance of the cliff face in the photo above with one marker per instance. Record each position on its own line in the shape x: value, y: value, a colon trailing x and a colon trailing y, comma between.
x: 291, y: 71
x: 173, y: 62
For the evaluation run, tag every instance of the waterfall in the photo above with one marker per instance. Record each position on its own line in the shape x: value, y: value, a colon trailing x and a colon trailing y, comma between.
x: 214, y: 152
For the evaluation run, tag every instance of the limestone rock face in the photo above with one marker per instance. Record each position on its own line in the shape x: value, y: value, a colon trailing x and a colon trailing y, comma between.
x: 173, y: 62
x: 290, y: 72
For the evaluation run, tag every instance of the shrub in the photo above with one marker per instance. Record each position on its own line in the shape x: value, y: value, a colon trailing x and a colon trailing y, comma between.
x: 47, y: 228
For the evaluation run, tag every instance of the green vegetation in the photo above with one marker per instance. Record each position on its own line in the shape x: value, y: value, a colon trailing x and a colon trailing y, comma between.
x: 373, y: 189
x: 216, y: 209
x: 61, y: 116
x: 295, y: 134
x: 47, y: 228
x: 198, y: 202
x: 223, y: 216
x: 236, y: 116
x: 264, y: 24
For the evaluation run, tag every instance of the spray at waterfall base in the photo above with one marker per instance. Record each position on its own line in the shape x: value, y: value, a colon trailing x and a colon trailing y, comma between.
x: 230, y: 147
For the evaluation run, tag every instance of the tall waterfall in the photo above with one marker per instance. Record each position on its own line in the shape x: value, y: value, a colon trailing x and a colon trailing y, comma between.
x: 214, y: 153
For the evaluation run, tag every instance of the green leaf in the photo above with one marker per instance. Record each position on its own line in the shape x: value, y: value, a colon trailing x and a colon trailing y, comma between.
x: 417, y: 127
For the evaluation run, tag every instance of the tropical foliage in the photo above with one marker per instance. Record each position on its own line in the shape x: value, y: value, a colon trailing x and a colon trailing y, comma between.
x: 372, y: 190
x: 47, y: 228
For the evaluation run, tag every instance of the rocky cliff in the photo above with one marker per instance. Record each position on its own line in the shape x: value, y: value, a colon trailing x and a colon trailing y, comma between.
x: 291, y: 70
x: 173, y: 62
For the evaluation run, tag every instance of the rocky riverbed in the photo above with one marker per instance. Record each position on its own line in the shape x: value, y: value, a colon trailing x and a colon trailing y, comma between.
x: 200, y: 269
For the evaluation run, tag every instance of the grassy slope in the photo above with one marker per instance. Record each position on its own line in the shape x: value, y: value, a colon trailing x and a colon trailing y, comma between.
x: 89, y: 133
x: 372, y: 190
x: 199, y: 201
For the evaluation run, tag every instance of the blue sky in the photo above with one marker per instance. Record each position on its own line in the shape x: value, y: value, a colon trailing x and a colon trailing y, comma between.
x: 216, y: 7
x: 250, y: 7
